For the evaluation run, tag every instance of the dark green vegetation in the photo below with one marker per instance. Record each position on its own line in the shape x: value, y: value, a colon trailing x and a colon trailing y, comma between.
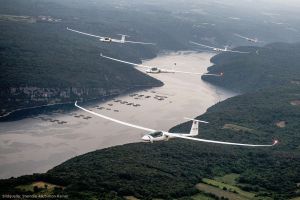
x: 267, y: 67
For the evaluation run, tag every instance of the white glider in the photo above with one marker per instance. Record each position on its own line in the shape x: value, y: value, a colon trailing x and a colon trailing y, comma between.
x: 156, y: 70
x: 218, y: 49
x: 155, y: 135
x: 108, y: 39
x: 255, y: 40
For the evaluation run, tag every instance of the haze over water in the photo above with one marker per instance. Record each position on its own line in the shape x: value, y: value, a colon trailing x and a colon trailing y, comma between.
x: 32, y: 145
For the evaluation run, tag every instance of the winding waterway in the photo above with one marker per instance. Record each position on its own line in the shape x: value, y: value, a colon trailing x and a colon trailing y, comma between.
x: 37, y: 144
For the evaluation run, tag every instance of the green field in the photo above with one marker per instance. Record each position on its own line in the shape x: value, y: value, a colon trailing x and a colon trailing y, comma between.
x: 130, y: 198
x: 230, y: 179
x: 228, y: 187
x: 201, y: 197
x: 297, y: 198
x: 238, y: 128
x: 219, y: 192
x: 43, y: 186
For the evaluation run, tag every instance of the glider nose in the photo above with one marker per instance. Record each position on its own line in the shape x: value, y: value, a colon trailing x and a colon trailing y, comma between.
x: 275, y: 142
x: 146, y: 138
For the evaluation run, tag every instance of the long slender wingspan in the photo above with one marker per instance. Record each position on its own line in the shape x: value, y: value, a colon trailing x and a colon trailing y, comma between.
x: 115, y: 120
x: 246, y: 38
x: 238, y: 35
x: 221, y: 74
x: 221, y: 142
x: 127, y: 41
x: 224, y: 50
x: 174, y: 71
x: 202, y: 45
x: 122, y: 61
x: 236, y: 51
x: 97, y: 36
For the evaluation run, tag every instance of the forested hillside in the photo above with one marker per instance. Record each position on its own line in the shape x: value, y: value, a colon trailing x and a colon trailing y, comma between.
x: 266, y: 67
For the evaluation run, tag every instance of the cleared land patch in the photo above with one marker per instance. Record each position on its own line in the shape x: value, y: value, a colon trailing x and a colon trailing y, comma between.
x: 229, y: 188
x: 43, y: 186
x: 228, y: 178
x: 297, y: 198
x: 295, y: 103
x: 281, y: 124
x: 295, y: 82
x: 130, y: 198
x: 219, y: 192
x: 238, y: 128
x: 202, y: 197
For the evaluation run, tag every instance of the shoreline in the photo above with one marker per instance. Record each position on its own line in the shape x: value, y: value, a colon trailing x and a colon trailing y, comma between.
x: 8, y: 118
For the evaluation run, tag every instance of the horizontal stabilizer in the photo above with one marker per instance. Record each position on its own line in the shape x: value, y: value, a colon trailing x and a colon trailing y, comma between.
x: 196, y: 120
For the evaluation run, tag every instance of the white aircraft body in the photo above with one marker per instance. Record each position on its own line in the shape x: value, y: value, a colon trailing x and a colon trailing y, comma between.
x: 218, y: 49
x: 108, y: 39
x: 156, y: 70
x: 255, y: 40
x: 156, y: 135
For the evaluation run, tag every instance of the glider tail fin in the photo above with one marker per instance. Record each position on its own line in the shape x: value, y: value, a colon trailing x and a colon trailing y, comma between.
x: 195, y: 127
x: 123, y: 38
